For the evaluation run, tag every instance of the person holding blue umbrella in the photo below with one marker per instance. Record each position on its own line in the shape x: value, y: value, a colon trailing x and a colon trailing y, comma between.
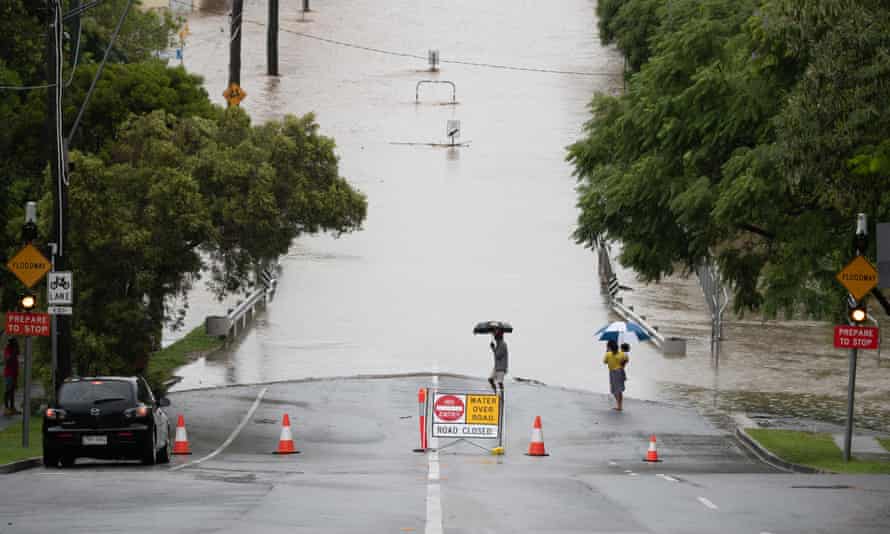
x: 616, y: 361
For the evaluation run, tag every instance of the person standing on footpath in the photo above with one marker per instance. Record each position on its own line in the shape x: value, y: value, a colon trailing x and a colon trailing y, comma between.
x: 616, y: 360
x: 499, y: 349
x: 10, y: 375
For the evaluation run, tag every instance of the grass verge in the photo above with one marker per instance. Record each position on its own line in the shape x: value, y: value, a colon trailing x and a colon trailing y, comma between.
x: 163, y: 363
x: 885, y: 443
x: 814, y: 450
x: 11, y: 448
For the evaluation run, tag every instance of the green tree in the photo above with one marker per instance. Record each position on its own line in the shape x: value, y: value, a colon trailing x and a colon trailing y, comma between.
x: 170, y: 192
x: 752, y: 134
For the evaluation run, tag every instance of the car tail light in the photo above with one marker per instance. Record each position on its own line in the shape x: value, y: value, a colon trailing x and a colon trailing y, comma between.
x: 55, y: 414
x: 125, y: 434
x: 137, y: 412
x: 64, y: 435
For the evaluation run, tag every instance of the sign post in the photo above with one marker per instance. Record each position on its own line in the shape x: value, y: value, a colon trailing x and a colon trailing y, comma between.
x: 859, y: 277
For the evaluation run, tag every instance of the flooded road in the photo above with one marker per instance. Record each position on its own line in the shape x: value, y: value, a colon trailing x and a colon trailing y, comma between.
x: 459, y: 235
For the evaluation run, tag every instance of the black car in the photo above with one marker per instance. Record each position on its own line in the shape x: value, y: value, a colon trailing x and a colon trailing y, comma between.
x: 106, y: 417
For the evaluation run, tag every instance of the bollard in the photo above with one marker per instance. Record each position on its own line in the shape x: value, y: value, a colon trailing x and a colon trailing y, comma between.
x: 306, y: 6
x: 421, y: 405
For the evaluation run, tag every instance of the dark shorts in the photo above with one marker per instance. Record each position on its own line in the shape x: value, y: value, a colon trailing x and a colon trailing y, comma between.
x: 616, y: 380
x: 9, y: 381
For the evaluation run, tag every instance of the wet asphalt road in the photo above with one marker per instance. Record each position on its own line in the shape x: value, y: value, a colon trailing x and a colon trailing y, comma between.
x: 356, y: 472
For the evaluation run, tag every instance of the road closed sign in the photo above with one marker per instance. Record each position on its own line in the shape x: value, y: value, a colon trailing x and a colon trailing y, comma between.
x: 466, y: 415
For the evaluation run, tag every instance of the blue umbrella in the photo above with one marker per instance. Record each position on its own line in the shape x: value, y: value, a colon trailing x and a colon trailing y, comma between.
x: 623, y: 332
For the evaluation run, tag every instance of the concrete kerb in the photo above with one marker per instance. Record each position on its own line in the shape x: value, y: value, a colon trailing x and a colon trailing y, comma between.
x: 765, y: 455
x: 21, y: 465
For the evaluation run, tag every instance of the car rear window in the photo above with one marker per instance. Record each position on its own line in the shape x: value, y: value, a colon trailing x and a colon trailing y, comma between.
x: 93, y: 390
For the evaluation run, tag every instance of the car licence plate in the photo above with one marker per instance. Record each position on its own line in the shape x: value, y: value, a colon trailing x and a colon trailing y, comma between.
x: 95, y: 440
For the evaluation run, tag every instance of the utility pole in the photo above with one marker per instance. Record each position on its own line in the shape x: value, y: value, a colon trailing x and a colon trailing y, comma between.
x: 235, y: 44
x: 272, y: 39
x: 58, y: 166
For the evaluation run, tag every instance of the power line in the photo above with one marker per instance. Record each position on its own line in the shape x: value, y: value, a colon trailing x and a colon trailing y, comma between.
x: 375, y: 50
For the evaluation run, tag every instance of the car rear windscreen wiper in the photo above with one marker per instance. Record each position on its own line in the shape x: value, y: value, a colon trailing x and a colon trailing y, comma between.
x: 109, y: 399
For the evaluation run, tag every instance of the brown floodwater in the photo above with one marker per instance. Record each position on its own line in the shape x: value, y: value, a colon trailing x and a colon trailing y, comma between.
x: 478, y: 232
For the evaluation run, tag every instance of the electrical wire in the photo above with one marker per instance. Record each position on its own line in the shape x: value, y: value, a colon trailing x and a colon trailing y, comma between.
x: 86, y: 100
x: 407, y: 54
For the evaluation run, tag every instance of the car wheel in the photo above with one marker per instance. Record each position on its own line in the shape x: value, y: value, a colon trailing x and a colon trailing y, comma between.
x: 148, y: 451
x: 50, y: 459
x: 68, y: 461
x: 163, y: 456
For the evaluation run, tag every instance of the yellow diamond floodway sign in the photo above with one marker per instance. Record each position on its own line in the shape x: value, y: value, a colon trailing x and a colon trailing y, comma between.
x: 859, y: 277
x: 29, y: 265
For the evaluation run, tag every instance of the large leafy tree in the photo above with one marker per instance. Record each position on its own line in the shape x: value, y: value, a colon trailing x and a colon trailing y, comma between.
x: 169, y: 192
x: 164, y: 186
x: 753, y: 133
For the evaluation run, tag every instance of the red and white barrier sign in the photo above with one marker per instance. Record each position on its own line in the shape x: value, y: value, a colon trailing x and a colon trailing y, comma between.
x: 27, y: 324
x: 466, y: 415
x: 856, y: 337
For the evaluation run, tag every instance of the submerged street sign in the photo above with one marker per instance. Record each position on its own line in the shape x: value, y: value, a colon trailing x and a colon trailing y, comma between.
x: 466, y: 415
x: 29, y: 265
x: 859, y: 277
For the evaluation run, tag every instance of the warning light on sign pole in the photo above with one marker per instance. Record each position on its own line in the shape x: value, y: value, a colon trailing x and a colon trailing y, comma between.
x: 857, y: 313
x: 28, y: 301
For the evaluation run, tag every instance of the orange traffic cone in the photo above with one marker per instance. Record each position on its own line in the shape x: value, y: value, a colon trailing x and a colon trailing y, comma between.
x: 536, y: 447
x: 652, y: 453
x: 286, y: 441
x: 181, y: 443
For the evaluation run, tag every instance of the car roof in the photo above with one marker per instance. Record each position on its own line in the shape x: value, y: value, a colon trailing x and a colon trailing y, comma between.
x: 131, y: 379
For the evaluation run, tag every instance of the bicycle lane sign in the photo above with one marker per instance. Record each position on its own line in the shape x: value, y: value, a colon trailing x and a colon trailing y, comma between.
x: 59, y: 288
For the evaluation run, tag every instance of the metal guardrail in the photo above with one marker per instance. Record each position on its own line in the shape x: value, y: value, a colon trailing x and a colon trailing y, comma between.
x: 609, y: 281
x: 236, y: 319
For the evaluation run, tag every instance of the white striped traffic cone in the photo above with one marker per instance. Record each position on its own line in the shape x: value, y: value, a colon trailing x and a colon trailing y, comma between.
x: 536, y: 447
x: 181, y: 443
x: 286, y: 441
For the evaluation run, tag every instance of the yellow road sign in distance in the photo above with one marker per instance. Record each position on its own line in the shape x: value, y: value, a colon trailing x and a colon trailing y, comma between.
x: 234, y: 94
x: 29, y: 265
x: 482, y: 409
x: 859, y: 277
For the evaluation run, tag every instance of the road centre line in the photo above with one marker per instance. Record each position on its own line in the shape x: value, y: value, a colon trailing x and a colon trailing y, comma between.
x: 707, y: 503
x: 668, y: 478
x: 232, y: 436
x: 433, y: 489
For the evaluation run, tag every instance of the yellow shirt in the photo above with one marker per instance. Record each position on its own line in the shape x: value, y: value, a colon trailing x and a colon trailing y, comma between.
x: 615, y: 359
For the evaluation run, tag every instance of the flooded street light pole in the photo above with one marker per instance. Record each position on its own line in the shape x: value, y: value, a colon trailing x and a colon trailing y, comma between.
x: 235, y: 44
x: 272, y: 39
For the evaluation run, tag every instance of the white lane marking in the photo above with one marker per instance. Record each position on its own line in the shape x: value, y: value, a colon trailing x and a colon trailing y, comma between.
x: 232, y: 436
x: 433, y: 489
x: 433, y: 509
x: 707, y: 503
x: 434, y: 472
x: 668, y: 478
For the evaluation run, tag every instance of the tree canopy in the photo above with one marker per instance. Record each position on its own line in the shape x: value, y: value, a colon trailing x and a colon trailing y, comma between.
x: 753, y: 132
x: 165, y: 187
